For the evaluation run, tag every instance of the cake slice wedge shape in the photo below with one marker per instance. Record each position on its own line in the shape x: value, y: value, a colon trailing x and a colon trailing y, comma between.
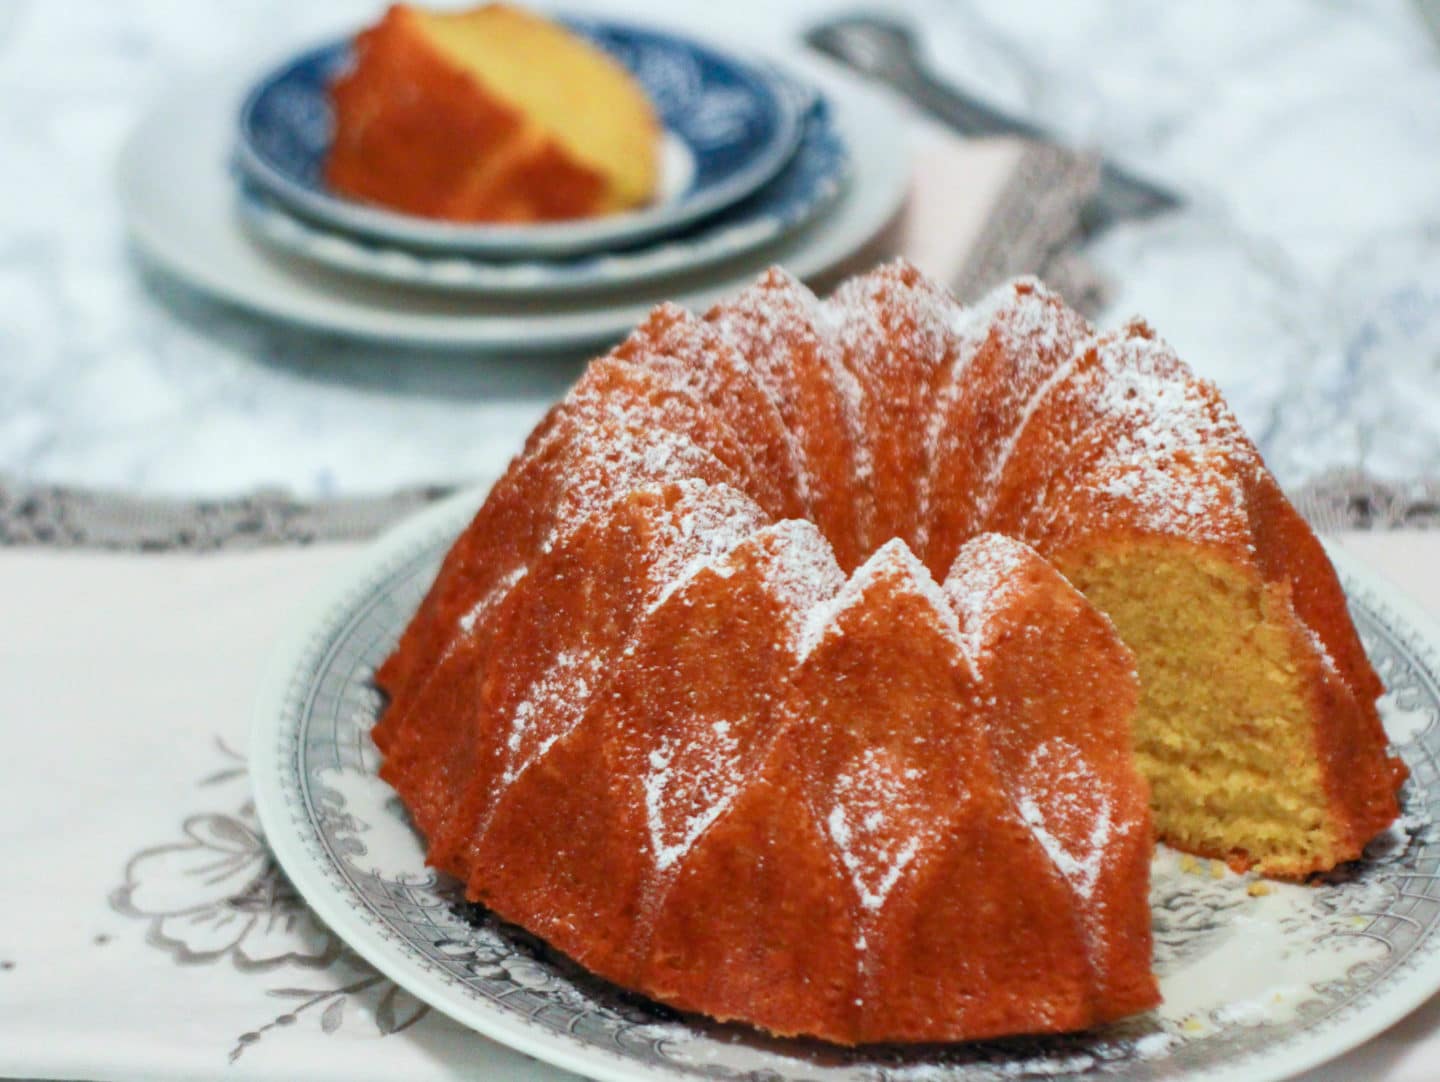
x: 1137, y: 482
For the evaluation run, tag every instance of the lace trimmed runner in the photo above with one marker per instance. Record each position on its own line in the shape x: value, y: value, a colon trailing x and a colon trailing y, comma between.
x: 57, y: 516
x: 1350, y: 500
x: 61, y: 517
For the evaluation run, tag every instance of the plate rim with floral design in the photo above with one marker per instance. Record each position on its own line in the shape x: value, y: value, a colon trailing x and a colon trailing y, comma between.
x: 552, y: 1011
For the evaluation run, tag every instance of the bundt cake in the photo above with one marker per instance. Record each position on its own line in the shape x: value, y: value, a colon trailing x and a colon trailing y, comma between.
x: 796, y: 607
x: 492, y: 114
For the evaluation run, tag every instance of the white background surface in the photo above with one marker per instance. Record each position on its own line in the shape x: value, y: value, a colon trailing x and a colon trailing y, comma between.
x: 1304, y: 277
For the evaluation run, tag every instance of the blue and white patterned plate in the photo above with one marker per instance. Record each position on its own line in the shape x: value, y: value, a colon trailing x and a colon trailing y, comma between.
x: 729, y: 126
x: 807, y: 184
x: 1256, y: 987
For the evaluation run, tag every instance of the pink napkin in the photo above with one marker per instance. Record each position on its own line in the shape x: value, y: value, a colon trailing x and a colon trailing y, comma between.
x: 981, y: 211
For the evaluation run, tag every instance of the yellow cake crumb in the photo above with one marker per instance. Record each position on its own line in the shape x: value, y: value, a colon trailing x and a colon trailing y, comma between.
x: 1232, y: 764
x: 573, y: 92
x: 1258, y: 889
x: 1192, y: 1025
x: 1188, y: 864
x: 1217, y: 869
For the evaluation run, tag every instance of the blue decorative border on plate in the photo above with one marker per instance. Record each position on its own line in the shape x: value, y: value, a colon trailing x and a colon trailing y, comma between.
x: 808, y: 184
x: 739, y: 123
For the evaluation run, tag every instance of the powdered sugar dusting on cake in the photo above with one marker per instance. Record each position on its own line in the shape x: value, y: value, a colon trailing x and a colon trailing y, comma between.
x: 889, y: 330
x: 772, y: 323
x: 1023, y: 306
x: 891, y: 561
x: 1025, y: 333
x: 893, y: 311
x: 704, y: 522
x: 800, y: 570
x: 696, y: 357
x: 1020, y: 306
x: 686, y: 350
x: 985, y: 574
x: 827, y: 319
x: 715, y: 520
x: 1318, y: 645
x: 696, y: 770
x: 873, y: 826
x: 602, y: 451
x: 703, y: 771
x: 989, y: 489
x: 617, y: 454
x: 766, y: 322
x: 852, y: 407
x: 490, y: 599
x: 561, y: 694
x: 1065, y: 805
x: 1172, y: 456
x: 1172, y: 446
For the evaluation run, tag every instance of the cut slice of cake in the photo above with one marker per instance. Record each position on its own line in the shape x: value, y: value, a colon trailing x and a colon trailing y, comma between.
x: 492, y: 114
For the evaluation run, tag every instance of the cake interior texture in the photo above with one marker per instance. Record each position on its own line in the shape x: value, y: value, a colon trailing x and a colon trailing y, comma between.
x: 1222, y: 732
x: 571, y: 90
x: 832, y: 665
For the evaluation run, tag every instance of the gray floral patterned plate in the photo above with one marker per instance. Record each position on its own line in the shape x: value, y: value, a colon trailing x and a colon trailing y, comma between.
x: 1260, y: 980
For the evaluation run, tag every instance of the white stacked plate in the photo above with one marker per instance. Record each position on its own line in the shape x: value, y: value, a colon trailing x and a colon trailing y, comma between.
x: 759, y: 165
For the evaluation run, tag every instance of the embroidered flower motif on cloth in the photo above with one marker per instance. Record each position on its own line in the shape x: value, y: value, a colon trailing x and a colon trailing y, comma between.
x: 217, y: 894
